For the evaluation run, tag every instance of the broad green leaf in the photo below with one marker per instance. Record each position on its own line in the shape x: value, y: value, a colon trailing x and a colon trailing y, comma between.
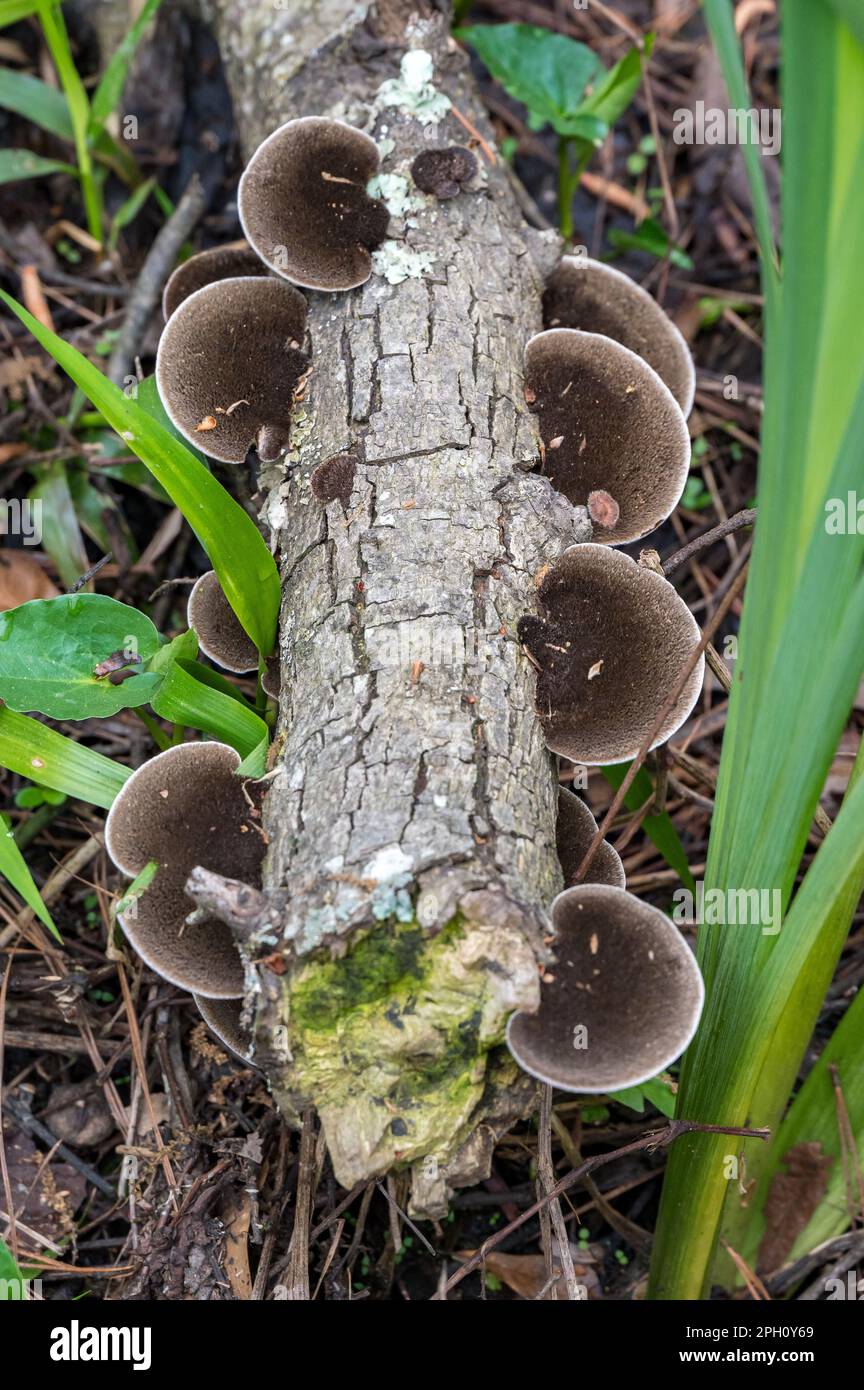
x: 37, y: 102
x: 613, y: 95
x: 186, y: 699
x: 234, y: 545
x: 851, y: 13
x: 21, y: 164
x: 35, y: 751
x: 14, y: 868
x: 659, y: 829
x: 110, y: 89
x: 547, y: 72
x: 650, y: 237
x: 52, y: 647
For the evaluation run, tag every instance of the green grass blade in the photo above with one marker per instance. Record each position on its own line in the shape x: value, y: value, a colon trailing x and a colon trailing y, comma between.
x: 184, y: 699
x: 37, y: 102
x: 16, y: 165
x: 14, y: 868
x: 110, y: 89
x: 46, y: 756
x: 54, y: 29
x: 234, y: 545
x: 660, y: 829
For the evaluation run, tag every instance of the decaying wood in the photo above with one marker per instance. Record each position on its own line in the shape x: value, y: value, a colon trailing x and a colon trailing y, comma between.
x: 410, y: 760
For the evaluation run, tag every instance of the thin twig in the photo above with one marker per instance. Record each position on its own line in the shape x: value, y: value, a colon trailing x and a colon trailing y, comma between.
x: 654, y: 1139
x: 725, y: 528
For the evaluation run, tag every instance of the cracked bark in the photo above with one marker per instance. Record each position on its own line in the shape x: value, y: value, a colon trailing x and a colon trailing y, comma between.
x: 409, y: 753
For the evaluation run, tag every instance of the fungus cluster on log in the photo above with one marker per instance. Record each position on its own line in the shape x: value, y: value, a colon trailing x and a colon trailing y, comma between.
x: 610, y: 380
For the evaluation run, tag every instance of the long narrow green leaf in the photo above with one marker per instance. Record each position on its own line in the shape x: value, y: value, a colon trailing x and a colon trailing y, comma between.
x: 54, y: 28
x: 237, y: 552
x: 110, y: 88
x: 13, y: 866
x: 16, y: 165
x: 37, y: 102
x: 186, y: 700
x: 33, y: 750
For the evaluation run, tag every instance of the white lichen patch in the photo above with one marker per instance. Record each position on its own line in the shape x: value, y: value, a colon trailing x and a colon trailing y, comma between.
x: 396, y: 193
x: 389, y: 862
x: 413, y: 91
x: 396, y: 261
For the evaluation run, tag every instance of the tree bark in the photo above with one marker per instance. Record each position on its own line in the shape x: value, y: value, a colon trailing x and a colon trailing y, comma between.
x: 411, y: 811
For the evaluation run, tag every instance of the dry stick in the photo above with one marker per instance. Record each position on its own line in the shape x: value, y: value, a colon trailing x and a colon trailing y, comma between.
x: 618, y: 799
x: 545, y: 1182
x: 35, y: 1126
x: 298, y: 1267
x: 71, y: 866
x: 141, y: 1066
x: 725, y: 528
x: 654, y: 1139
x: 154, y: 272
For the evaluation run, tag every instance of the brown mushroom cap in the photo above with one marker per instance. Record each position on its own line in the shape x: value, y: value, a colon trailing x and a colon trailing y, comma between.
x: 609, y: 649
x: 227, y: 262
x: 442, y: 172
x: 574, y: 832
x: 185, y: 807
x: 583, y: 293
x: 624, y: 973
x: 334, y: 478
x: 304, y: 207
x: 609, y: 424
x: 220, y: 634
x: 222, y: 1017
x: 227, y: 363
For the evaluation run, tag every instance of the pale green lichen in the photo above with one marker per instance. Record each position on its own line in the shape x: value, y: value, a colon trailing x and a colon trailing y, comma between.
x: 395, y: 192
x: 391, y: 1041
x: 413, y: 92
x: 396, y: 261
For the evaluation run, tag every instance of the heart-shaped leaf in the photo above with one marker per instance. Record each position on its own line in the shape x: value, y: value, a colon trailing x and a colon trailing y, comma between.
x: 59, y: 654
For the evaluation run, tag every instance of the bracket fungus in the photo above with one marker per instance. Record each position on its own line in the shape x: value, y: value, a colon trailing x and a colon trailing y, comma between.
x: 182, y: 808
x: 611, y: 641
x: 574, y: 831
x: 610, y: 425
x: 228, y: 262
x: 220, y: 633
x: 223, y: 1018
x: 443, y: 172
x: 227, y: 363
x: 583, y: 293
x: 304, y: 207
x: 623, y: 1001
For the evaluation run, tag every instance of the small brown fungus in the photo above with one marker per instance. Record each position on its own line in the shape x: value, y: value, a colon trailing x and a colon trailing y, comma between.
x: 584, y: 293
x: 334, y: 478
x: 227, y: 262
x: 217, y: 627
x: 227, y: 363
x: 304, y: 207
x: 224, y: 1019
x: 621, y: 1002
x: 574, y: 832
x: 617, y: 429
x: 182, y: 808
x: 443, y: 172
x: 601, y: 609
x: 603, y: 509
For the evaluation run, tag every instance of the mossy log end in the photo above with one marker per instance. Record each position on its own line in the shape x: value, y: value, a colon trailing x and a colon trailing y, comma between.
x: 411, y: 811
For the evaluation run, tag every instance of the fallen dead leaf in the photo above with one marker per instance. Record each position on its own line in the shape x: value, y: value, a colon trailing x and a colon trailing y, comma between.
x: 22, y: 579
x: 526, y: 1274
x: 12, y: 451
x: 33, y: 296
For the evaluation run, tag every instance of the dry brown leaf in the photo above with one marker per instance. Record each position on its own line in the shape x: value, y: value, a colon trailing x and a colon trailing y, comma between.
x: 22, y: 578
x: 16, y: 369
x: 526, y: 1274
x: 8, y: 452
x: 792, y: 1199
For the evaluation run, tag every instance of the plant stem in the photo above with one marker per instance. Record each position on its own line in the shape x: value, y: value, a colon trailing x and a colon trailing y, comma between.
x: 569, y: 177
